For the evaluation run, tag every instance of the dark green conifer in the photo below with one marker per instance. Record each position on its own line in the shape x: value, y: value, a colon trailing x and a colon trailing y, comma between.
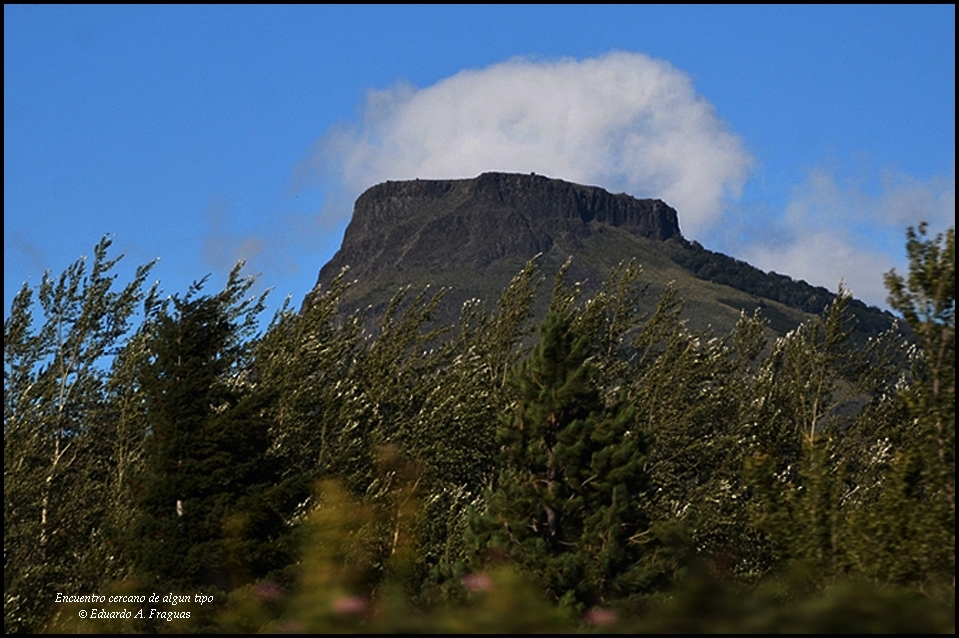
x: 209, y: 514
x: 567, y: 505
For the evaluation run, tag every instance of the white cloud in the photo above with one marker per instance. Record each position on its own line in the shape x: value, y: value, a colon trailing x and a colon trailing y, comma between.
x: 834, y: 231
x: 623, y: 121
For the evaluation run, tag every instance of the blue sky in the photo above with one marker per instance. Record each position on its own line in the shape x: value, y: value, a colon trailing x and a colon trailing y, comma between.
x: 804, y: 140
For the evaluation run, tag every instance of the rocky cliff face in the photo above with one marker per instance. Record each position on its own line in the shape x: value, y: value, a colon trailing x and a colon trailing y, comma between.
x: 472, y: 235
x: 471, y: 223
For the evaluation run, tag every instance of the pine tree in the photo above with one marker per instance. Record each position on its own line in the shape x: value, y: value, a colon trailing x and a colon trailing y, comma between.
x: 567, y: 504
x: 209, y: 512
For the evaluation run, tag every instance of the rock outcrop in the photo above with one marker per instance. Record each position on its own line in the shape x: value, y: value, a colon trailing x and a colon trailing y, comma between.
x: 472, y: 235
x: 471, y: 223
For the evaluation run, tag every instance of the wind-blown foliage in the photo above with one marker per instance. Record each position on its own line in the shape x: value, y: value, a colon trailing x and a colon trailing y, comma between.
x: 927, y: 301
x: 340, y: 472
x: 63, y: 450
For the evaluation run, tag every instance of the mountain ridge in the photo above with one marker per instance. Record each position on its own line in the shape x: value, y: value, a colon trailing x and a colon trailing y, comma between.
x: 408, y: 211
x: 472, y: 235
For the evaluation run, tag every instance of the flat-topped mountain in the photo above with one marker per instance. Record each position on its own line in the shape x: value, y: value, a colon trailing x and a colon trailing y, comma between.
x: 473, y: 235
x: 474, y: 222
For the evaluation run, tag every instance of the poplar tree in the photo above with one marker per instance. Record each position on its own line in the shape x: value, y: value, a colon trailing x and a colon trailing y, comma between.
x: 812, y: 427
x: 60, y: 463
x: 927, y: 301
x: 908, y: 536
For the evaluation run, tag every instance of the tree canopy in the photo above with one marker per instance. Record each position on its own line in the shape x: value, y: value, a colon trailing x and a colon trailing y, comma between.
x: 611, y: 469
